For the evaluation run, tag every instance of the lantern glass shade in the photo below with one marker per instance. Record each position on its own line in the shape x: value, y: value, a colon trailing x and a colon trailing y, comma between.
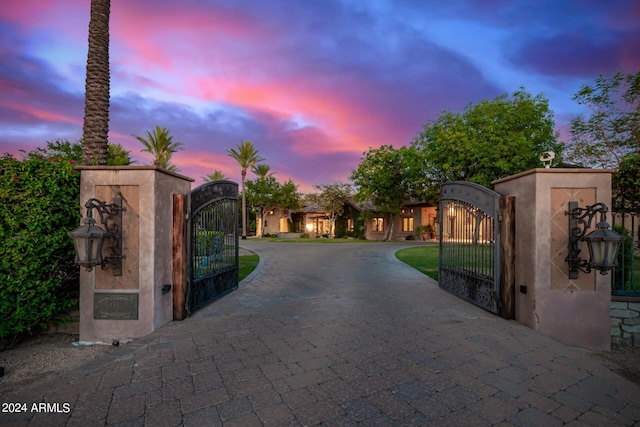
x: 88, y: 240
x: 603, y: 245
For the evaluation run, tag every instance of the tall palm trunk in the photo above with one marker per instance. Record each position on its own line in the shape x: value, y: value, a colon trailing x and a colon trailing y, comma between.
x: 244, y: 206
x: 96, y: 106
x: 247, y: 157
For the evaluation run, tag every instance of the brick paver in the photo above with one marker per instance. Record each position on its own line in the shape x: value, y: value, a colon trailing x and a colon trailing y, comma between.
x: 339, y: 335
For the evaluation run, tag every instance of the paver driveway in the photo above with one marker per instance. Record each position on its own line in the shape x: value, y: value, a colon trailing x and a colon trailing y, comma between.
x: 341, y: 334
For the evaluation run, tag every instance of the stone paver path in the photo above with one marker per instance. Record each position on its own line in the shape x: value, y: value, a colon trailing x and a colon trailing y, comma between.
x: 340, y: 335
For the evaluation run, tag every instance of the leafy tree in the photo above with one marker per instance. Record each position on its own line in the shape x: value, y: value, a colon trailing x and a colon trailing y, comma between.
x: 490, y: 140
x: 267, y: 194
x: 217, y: 175
x: 96, y: 107
x: 63, y: 149
x: 161, y: 145
x: 612, y: 129
x: 626, y: 184
x: 247, y: 156
x: 388, y: 177
x: 331, y: 198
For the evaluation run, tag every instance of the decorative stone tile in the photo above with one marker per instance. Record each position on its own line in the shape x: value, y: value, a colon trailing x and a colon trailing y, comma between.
x: 559, y: 245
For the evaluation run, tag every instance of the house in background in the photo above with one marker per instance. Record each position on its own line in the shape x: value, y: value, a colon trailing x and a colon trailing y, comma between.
x: 413, y: 214
x: 275, y: 221
x: 315, y: 221
x: 371, y: 225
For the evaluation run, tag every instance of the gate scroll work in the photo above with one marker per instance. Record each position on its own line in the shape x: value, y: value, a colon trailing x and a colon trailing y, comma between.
x: 206, y: 265
x: 476, y: 232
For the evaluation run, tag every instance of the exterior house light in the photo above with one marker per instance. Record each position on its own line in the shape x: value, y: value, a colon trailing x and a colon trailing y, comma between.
x: 603, y: 244
x: 89, y: 238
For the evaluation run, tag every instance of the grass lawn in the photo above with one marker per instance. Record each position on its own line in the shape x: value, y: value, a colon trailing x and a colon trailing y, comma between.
x: 426, y: 260
x: 247, y: 263
x: 422, y: 258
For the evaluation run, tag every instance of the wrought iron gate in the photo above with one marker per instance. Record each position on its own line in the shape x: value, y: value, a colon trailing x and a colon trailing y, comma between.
x: 212, y: 243
x: 624, y: 280
x: 469, y: 231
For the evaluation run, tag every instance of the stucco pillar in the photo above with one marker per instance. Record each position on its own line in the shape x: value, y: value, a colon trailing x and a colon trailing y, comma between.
x: 575, y: 312
x: 131, y: 305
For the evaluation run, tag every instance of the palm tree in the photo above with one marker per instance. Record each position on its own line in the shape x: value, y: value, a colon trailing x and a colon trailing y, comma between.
x: 96, y: 103
x: 217, y: 175
x: 262, y: 171
x: 161, y: 145
x: 118, y: 156
x: 247, y: 157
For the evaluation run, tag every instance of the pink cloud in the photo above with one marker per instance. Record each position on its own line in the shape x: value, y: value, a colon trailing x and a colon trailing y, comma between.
x: 630, y: 52
x: 39, y: 113
x: 171, y: 34
x: 48, y: 14
x: 340, y: 122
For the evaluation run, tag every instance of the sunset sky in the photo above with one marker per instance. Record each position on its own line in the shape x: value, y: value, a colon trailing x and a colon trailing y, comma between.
x: 313, y: 83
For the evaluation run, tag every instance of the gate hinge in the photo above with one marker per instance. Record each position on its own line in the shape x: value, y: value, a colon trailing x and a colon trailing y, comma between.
x: 499, y: 216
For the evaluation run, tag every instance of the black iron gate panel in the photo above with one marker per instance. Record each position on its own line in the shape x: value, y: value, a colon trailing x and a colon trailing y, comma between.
x: 212, y: 243
x: 469, y: 232
x: 625, y: 280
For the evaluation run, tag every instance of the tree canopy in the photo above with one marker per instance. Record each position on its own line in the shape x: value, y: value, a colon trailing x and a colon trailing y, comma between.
x: 262, y: 170
x: 63, y: 149
x: 489, y: 140
x: 612, y: 128
x: 267, y: 194
x: 626, y: 184
x: 216, y: 175
x: 388, y: 177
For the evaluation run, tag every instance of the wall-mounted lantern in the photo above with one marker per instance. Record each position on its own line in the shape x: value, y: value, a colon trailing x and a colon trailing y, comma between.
x: 89, y: 238
x: 603, y: 244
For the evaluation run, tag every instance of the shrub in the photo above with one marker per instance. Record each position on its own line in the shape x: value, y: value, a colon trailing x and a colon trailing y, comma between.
x: 341, y: 227
x: 209, y: 241
x: 38, y: 275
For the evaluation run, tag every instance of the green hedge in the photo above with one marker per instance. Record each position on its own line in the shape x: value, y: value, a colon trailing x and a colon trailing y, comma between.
x: 38, y: 276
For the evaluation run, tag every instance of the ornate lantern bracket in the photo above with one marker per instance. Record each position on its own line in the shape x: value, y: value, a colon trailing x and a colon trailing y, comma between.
x: 89, y: 238
x: 603, y: 244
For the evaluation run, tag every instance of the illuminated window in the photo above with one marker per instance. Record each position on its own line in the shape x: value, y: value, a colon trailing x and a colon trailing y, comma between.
x: 377, y: 224
x: 407, y: 224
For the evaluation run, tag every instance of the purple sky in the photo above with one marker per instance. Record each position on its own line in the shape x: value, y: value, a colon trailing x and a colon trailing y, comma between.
x: 312, y: 83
